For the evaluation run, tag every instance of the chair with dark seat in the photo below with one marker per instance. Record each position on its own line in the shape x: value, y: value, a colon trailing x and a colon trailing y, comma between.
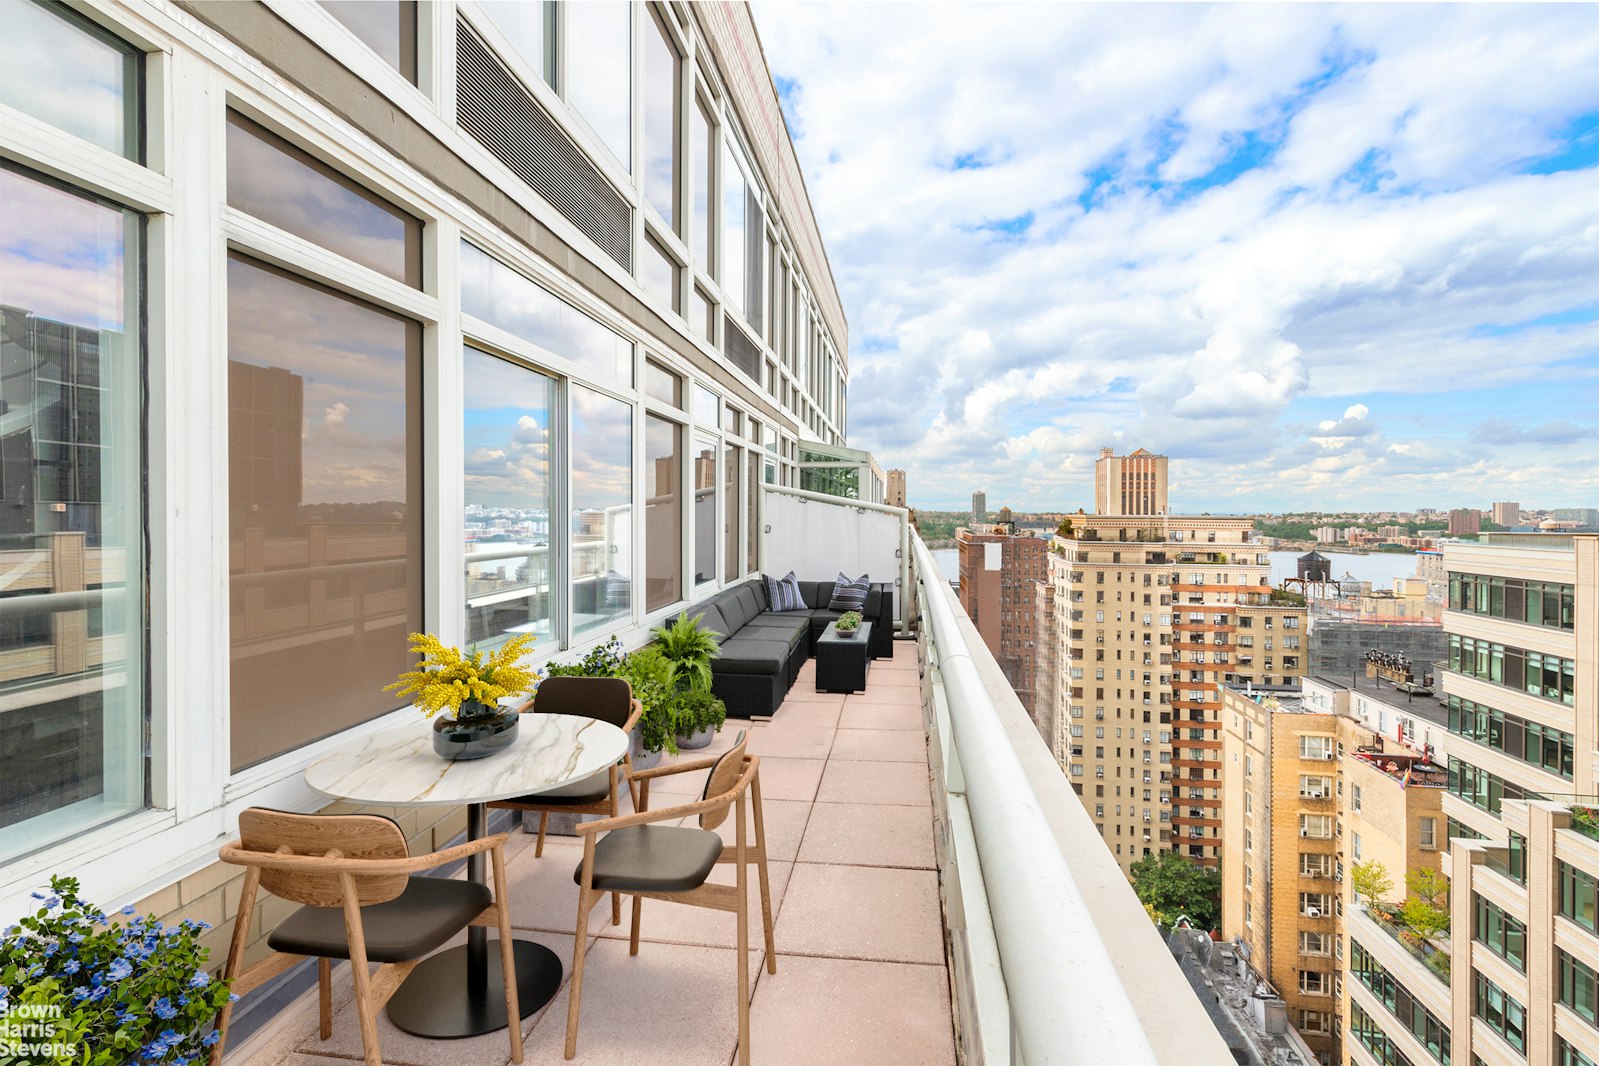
x: 352, y: 875
x: 638, y: 854
x: 609, y: 699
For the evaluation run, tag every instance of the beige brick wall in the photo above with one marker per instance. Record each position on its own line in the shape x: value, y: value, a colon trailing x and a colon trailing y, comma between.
x: 212, y: 894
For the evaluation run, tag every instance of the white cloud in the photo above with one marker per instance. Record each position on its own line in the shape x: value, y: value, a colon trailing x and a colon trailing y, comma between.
x: 1387, y: 218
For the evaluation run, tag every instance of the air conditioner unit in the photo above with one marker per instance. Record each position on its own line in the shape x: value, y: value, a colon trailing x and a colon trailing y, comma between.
x: 1312, y: 912
x: 1329, y: 756
x: 1304, y: 832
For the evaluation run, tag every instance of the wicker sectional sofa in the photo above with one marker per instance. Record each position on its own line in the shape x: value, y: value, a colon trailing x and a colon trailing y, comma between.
x: 762, y: 650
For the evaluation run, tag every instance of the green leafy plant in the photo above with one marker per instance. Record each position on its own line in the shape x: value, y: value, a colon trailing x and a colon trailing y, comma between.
x: 1175, y: 887
x: 696, y: 711
x: 849, y: 621
x: 90, y: 993
x: 650, y: 674
x: 689, y: 649
x: 1370, y: 880
x: 1426, y: 920
x: 1430, y: 886
x: 604, y: 660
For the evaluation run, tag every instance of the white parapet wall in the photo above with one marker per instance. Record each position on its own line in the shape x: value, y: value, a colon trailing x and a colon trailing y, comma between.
x: 819, y: 537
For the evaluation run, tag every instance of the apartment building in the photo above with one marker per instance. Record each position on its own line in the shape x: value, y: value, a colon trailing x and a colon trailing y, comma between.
x: 1130, y: 484
x: 326, y: 324
x: 1507, y: 513
x: 1520, y: 685
x: 999, y: 573
x: 1153, y: 615
x: 1311, y: 790
x: 895, y: 496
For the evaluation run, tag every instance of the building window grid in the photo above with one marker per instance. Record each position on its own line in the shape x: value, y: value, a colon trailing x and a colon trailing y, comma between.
x: 1406, y: 1009
x: 1499, y: 1011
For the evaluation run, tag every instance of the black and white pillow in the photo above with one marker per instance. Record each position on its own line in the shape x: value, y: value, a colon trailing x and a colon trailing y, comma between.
x: 850, y: 595
x: 618, y: 592
x: 783, y: 593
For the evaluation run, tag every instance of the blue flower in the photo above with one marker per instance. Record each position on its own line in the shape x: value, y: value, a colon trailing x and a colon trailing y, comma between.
x: 200, y: 979
x: 211, y: 1038
x: 120, y: 969
x: 72, y: 966
x: 99, y: 993
x: 81, y: 993
x: 165, y: 1010
x: 129, y: 909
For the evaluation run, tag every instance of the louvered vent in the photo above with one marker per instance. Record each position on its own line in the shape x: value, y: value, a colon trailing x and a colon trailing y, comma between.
x: 743, y: 352
x: 504, y: 117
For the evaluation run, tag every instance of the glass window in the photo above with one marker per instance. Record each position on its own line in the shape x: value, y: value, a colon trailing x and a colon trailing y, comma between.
x: 67, y: 72
x: 706, y: 407
x: 661, y: 384
x: 704, y: 510
x: 702, y: 315
x: 752, y: 559
x: 324, y: 506
x: 277, y: 183
x: 388, y: 27
x: 71, y: 524
x: 701, y: 234
x: 663, y: 513
x: 500, y: 296
x: 733, y: 260
x: 599, y: 71
x: 527, y: 24
x: 659, y: 271
x: 732, y: 468
x: 602, y: 510
x: 663, y: 91
x: 507, y: 479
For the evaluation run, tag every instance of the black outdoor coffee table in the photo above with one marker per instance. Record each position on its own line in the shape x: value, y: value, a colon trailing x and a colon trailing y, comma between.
x: 842, y: 663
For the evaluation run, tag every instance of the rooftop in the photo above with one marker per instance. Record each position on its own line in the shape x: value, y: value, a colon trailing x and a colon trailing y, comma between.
x: 861, y: 974
x: 1429, y: 708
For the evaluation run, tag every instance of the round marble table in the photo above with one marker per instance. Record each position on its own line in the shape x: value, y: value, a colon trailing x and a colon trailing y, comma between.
x: 460, y: 992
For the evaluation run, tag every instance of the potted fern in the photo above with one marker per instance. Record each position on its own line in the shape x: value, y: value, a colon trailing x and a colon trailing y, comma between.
x: 698, y: 716
x: 688, y: 650
x: 650, y: 675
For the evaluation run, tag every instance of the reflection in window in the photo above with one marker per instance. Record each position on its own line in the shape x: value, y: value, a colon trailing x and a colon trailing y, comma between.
x: 752, y: 559
x: 388, y: 27
x: 659, y: 271
x: 500, y: 296
x: 599, y: 71
x: 72, y: 612
x: 64, y: 71
x: 733, y: 236
x: 663, y: 513
x: 276, y: 182
x: 701, y: 235
x: 702, y: 316
x: 706, y: 407
x: 602, y: 511
x: 507, y: 480
x: 731, y: 468
x: 661, y: 384
x: 704, y: 510
x: 527, y: 24
x: 324, y: 507
x: 662, y: 92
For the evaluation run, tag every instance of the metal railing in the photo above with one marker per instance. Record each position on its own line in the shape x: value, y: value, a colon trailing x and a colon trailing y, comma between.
x: 1061, y: 992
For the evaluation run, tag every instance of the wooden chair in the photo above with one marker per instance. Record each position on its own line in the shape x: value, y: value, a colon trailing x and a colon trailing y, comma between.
x: 352, y: 873
x: 609, y: 699
x: 673, y: 863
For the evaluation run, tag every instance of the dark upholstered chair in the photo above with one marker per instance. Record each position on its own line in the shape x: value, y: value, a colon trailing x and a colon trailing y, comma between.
x: 667, y: 862
x: 609, y: 699
x: 352, y: 873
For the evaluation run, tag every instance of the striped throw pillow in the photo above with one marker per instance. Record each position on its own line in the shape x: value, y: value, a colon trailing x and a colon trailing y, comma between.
x: 783, y: 592
x: 850, y: 595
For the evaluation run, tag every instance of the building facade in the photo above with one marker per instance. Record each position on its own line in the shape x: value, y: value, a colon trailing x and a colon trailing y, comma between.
x: 979, y: 509
x: 328, y: 324
x: 1465, y: 521
x: 1000, y: 571
x: 1153, y: 615
x: 1311, y: 791
x: 895, y: 497
x: 1129, y: 484
x: 1507, y: 513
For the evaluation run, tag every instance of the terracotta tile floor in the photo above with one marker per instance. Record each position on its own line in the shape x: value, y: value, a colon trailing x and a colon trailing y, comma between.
x: 860, y: 943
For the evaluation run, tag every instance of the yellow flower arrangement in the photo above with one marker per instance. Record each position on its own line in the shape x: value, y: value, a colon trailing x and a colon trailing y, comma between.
x: 448, y: 678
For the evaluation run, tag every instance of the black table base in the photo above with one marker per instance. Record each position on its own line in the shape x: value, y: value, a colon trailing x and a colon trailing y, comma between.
x: 441, y: 999
x: 461, y: 992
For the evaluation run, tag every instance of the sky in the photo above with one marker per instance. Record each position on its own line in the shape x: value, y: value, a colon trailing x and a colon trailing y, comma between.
x: 1323, y: 257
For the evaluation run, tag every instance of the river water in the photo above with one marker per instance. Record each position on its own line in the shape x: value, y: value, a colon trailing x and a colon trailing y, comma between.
x: 1378, y: 568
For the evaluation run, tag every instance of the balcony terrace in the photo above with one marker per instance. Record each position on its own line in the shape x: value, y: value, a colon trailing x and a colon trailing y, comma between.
x: 940, y: 896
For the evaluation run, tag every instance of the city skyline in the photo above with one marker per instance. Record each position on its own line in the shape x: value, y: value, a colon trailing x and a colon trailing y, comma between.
x: 1319, y: 256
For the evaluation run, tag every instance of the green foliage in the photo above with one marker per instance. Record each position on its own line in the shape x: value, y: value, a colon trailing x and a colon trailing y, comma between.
x: 1438, y: 963
x: 1065, y: 528
x: 650, y: 674
x: 1174, y: 886
x: 1430, y: 886
x: 689, y: 650
x: 604, y: 660
x: 1370, y: 880
x: 694, y: 711
x: 1287, y: 597
x: 849, y: 620
x: 1425, y: 919
x: 136, y: 992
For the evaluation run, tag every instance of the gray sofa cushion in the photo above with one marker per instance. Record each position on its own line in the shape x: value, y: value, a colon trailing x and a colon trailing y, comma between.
x: 793, y: 622
x: 746, y: 654
x: 711, y: 618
